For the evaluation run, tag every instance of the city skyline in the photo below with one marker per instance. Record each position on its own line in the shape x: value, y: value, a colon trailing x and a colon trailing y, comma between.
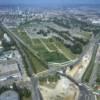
x: 48, y: 2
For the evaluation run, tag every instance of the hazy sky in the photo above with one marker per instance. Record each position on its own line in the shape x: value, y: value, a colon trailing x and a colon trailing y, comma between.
x: 43, y: 2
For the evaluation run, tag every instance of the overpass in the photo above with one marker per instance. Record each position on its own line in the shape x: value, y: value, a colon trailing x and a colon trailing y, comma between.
x: 55, y: 67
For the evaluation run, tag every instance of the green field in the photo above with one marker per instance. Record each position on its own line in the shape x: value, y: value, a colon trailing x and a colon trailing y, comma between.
x: 41, y: 51
x: 44, y: 49
x: 24, y: 98
x: 35, y: 63
x: 66, y: 51
x: 98, y: 97
x: 50, y: 43
x: 46, y: 55
x: 53, y: 79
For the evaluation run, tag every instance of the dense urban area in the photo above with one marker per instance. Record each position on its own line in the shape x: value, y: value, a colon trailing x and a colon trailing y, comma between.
x: 49, y: 54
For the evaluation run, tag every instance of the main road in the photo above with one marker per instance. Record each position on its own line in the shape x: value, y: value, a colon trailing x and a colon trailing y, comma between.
x: 35, y: 89
x: 85, y: 93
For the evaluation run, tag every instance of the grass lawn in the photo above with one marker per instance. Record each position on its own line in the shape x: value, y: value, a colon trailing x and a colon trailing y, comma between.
x: 53, y: 57
x: 98, y: 97
x: 24, y: 98
x: 23, y: 36
x: 54, y: 45
x: 49, y: 42
x: 45, y: 54
x: 87, y: 35
x: 37, y: 65
x: 66, y: 51
x: 42, y: 50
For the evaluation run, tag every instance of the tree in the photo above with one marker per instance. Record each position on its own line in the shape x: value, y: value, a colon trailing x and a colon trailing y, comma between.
x: 77, y: 48
x: 7, y: 45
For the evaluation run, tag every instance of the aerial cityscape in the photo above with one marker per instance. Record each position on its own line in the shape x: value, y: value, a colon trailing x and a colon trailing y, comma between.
x: 50, y: 50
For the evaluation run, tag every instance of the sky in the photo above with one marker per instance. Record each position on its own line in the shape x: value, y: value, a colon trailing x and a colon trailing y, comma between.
x: 48, y: 2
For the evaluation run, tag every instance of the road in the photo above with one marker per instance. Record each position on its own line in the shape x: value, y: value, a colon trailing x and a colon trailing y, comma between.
x: 90, y: 67
x: 57, y: 67
x: 14, y: 36
x: 35, y: 93
x: 79, y: 69
x: 46, y: 47
x: 21, y: 44
x: 35, y: 90
x: 93, y: 77
x: 85, y: 94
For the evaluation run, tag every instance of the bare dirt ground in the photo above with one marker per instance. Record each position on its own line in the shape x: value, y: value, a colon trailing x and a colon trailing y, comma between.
x: 64, y: 90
